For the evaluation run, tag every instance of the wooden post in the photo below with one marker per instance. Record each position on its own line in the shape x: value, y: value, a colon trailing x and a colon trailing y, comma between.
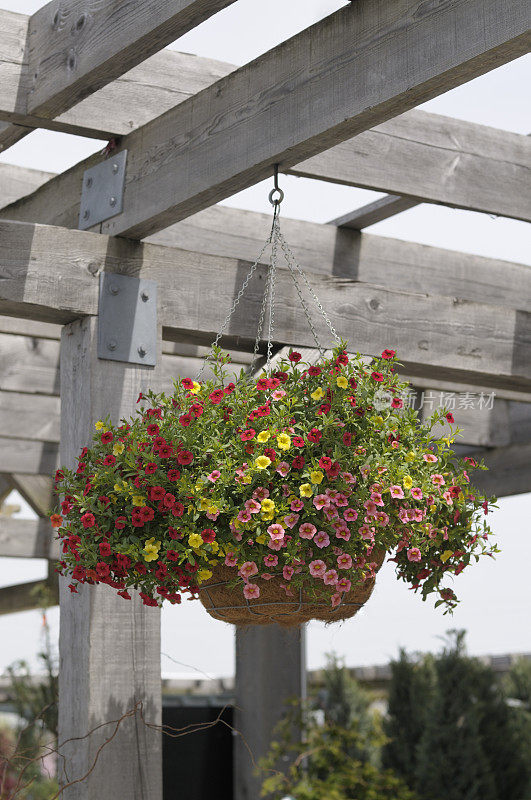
x: 109, y: 647
x: 270, y: 669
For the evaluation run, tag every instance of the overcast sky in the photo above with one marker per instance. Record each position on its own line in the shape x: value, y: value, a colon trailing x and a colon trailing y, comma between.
x: 496, y: 595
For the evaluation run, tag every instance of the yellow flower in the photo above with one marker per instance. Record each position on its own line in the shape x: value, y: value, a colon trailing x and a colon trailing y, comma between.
x: 408, y: 482
x: 204, y: 574
x: 433, y: 508
x: 262, y: 539
x: 446, y: 555
x: 268, y: 506
x: 118, y: 487
x: 342, y: 382
x: 262, y: 462
x: 204, y: 504
x: 306, y: 490
x: 98, y: 425
x: 447, y: 440
x: 317, y: 394
x: 246, y: 479
x: 212, y: 509
x: 138, y: 500
x: 215, y: 546
x: 195, y: 540
x: 411, y: 456
x: 284, y: 441
x: 263, y: 436
x: 118, y: 449
x: 269, y: 516
x: 196, y: 388
x: 151, y: 550
x: 316, y: 476
x: 377, y: 421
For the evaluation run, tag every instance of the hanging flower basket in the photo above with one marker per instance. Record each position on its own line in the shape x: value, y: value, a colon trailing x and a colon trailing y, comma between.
x: 275, y: 498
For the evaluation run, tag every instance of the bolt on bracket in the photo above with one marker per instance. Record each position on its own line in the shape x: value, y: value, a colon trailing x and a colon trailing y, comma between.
x: 127, y: 319
x: 102, y: 192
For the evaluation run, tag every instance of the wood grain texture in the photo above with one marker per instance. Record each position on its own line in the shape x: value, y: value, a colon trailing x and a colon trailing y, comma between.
x: 294, y: 102
x: 28, y: 457
x: 15, y: 182
x: 24, y: 596
x: 38, y: 491
x: 435, y: 336
x: 375, y: 212
x: 25, y: 538
x: 434, y: 159
x: 13, y: 65
x: 109, y: 648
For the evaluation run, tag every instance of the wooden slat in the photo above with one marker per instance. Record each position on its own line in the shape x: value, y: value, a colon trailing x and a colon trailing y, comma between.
x: 509, y: 471
x: 434, y: 159
x: 38, y: 491
x: 25, y: 538
x: 375, y: 212
x: 25, y: 596
x: 28, y: 457
x: 351, y: 71
x: 6, y: 487
x: 15, y: 182
x: 65, y: 53
x: 438, y: 337
x: 14, y: 29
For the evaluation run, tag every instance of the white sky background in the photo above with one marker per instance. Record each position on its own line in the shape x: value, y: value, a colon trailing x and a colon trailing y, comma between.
x: 496, y: 595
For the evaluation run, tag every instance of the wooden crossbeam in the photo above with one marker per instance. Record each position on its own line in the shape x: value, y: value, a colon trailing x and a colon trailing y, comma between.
x: 25, y: 538
x: 437, y: 337
x: 61, y: 54
x: 38, y: 491
x: 25, y: 596
x: 375, y: 212
x: 229, y: 136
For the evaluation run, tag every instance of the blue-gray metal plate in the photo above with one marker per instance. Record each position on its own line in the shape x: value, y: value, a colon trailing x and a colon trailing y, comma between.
x: 127, y: 322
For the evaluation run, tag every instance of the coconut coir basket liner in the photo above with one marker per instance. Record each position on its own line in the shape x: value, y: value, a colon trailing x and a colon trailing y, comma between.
x: 274, y: 606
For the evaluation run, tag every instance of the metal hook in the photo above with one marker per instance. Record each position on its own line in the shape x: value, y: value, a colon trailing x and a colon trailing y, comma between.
x: 276, y: 201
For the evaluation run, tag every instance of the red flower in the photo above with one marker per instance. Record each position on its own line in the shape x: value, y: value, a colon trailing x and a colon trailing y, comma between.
x: 353, y: 383
x: 178, y: 509
x: 397, y: 402
x: 107, y: 437
x: 105, y: 549
x: 72, y: 588
x: 314, y: 371
x: 342, y: 359
x: 334, y: 470
x: 185, y: 457
x: 137, y: 519
x: 185, y: 420
x: 156, y: 493
x: 315, y: 435
x: 297, y: 441
x: 109, y: 460
x: 150, y: 468
x: 124, y: 593
x: 377, y: 376
x: 347, y: 439
x: 249, y: 448
x: 208, y: 535
x: 153, y: 429
x: 352, y: 401
x: 140, y: 568
x: 282, y: 376
x: 270, y: 453
x: 81, y: 468
x: 388, y: 354
x: 147, y: 513
x: 78, y: 573
x: 173, y: 533
x: 173, y: 475
x: 262, y: 384
x: 140, y: 397
x: 249, y: 433
x: 450, y: 417
x: 187, y: 383
x: 229, y: 388
x: 103, y: 569
x: 298, y: 462
x: 66, y: 506
x: 56, y: 520
x: 169, y: 500
x: 88, y: 520
x: 324, y: 408
x: 325, y: 462
x: 295, y: 357
x: 165, y: 451
x: 172, y: 555
x: 196, y: 409
x: 217, y: 396
x: 59, y: 476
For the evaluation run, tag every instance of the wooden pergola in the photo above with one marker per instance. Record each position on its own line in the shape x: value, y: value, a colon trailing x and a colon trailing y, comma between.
x: 334, y: 103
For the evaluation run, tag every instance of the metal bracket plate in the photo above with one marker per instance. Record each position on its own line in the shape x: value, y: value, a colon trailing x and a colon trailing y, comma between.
x: 102, y: 192
x: 127, y: 322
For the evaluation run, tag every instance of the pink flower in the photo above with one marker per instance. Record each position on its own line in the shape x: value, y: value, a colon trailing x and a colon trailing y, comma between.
x: 341, y: 500
x: 260, y: 493
x: 414, y: 554
x: 307, y: 530
x: 321, y: 501
x: 382, y: 518
x: 296, y: 504
x: 213, y: 515
x: 403, y: 515
x: 371, y: 507
x: 430, y: 458
x: 317, y: 568
x: 253, y: 506
x: 417, y: 493
x: 251, y: 591
x: 397, y: 492
x: 275, y: 544
x: 331, y: 512
x: 287, y: 572
x: 248, y: 569
x: 367, y: 533
x: 330, y: 578
x: 376, y: 497
x: 448, y: 497
x: 214, y: 475
x: 348, y: 477
x: 343, y: 533
x: 438, y: 480
x: 344, y: 561
x: 343, y: 585
x: 276, y: 531
x: 231, y: 560
x: 336, y: 600
x: 350, y: 514
x: 291, y: 520
x: 322, y: 539
x: 243, y: 515
x: 271, y: 560
x: 278, y: 394
x: 283, y: 468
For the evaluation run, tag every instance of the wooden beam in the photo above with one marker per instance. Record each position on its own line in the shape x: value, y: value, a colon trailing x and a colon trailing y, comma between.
x: 433, y: 159
x: 375, y: 212
x: 436, y: 337
x: 109, y: 647
x: 509, y: 470
x: 65, y: 53
x: 38, y: 492
x: 15, y: 181
x: 28, y: 457
x: 254, y: 124
x: 26, y: 596
x: 25, y: 538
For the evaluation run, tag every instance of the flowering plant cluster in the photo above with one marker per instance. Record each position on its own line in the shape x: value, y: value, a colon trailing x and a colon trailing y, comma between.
x: 307, y: 473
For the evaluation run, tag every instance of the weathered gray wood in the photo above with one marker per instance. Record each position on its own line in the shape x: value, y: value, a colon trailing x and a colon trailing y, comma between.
x: 436, y: 337
x: 32, y: 417
x: 509, y: 471
x: 6, y: 487
x: 174, y: 164
x: 270, y: 670
x: 25, y: 596
x: 434, y: 159
x: 64, y: 53
x: 25, y: 538
x: 375, y: 212
x: 110, y: 648
x: 38, y: 491
x: 28, y: 457
x: 15, y: 182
